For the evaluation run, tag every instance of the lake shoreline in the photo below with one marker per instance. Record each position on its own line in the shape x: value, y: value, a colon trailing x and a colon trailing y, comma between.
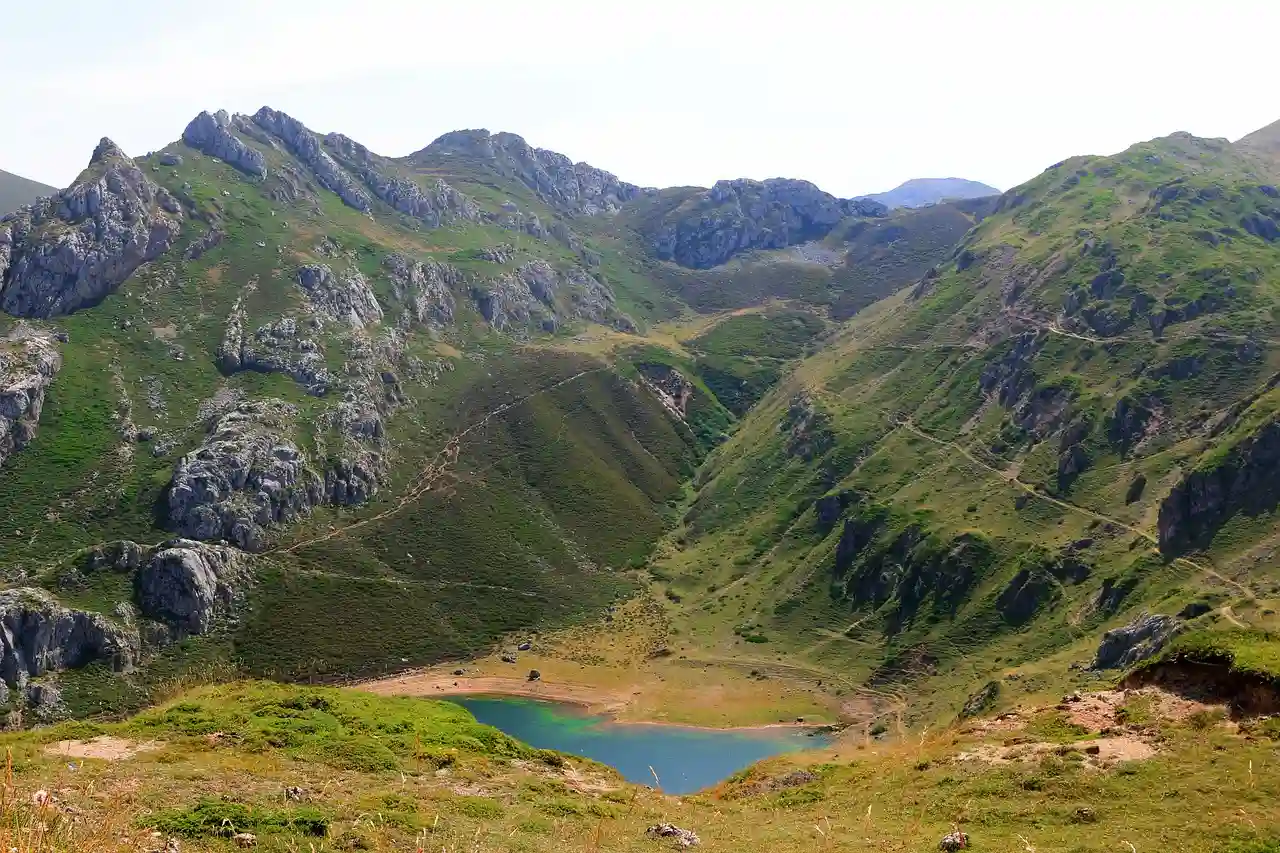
x: 594, y: 700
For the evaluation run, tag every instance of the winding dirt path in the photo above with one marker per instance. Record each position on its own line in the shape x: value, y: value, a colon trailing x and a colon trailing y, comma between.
x: 436, y: 468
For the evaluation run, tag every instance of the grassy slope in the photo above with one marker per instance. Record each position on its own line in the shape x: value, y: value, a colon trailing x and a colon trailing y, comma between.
x: 383, y: 774
x: 966, y: 520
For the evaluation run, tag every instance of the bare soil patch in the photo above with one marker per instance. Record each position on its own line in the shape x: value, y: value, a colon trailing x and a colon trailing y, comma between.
x: 104, y: 747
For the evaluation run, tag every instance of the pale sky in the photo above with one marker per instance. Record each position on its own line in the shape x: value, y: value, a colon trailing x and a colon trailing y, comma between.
x: 854, y: 96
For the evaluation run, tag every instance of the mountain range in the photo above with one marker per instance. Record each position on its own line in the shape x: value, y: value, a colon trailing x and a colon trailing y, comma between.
x: 919, y: 192
x: 275, y: 405
x: 16, y: 191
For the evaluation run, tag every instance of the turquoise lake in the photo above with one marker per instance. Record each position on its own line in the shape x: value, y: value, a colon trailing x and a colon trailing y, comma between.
x: 686, y: 759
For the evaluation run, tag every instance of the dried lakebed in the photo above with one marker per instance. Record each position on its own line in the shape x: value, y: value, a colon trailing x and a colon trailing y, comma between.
x: 684, y: 758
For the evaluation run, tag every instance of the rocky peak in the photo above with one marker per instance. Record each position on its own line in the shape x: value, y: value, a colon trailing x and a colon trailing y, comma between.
x: 211, y: 135
x: 575, y: 188
x: 108, y: 153
x: 435, y: 206
x: 300, y: 141
x: 743, y: 214
x: 71, y: 250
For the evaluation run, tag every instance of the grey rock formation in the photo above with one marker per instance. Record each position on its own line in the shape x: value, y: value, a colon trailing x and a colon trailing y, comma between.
x: 348, y: 299
x: 736, y: 216
x: 279, y: 347
x: 305, y: 145
x: 70, y: 251
x: 246, y: 476
x: 439, y: 205
x: 575, y: 188
x: 425, y: 288
x: 188, y: 585
x: 38, y: 635
x: 1142, y: 638
x: 537, y: 292
x: 28, y: 364
x: 1246, y: 478
x: 211, y: 134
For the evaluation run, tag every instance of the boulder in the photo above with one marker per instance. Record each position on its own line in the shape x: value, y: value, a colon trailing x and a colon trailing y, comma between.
x: 1142, y: 638
x: 71, y: 250
x: 673, y: 833
x: 189, y: 584
x: 211, y: 134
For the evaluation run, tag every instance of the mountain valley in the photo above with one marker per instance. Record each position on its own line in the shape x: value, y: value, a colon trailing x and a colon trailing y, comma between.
x: 274, y: 406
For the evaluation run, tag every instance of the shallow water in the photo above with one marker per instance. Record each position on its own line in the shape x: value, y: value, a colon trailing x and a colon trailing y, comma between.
x: 685, y: 758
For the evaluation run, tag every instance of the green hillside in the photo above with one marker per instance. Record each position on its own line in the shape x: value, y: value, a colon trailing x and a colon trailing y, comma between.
x: 276, y: 406
x: 1066, y: 426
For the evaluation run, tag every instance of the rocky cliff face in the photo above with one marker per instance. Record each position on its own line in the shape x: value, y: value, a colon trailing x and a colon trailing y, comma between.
x: 70, y: 251
x: 28, y: 364
x: 245, y: 477
x: 305, y: 145
x: 284, y: 346
x: 574, y: 188
x: 536, y: 292
x: 348, y: 299
x: 211, y: 134
x: 736, y: 216
x: 38, y: 635
x: 425, y: 288
x: 439, y: 205
x: 1245, y: 479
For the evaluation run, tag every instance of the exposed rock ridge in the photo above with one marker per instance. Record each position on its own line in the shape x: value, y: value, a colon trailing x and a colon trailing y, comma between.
x: 211, y: 134
x: 188, y: 585
x: 739, y: 215
x: 28, y: 364
x: 438, y: 206
x: 305, y: 145
x: 71, y: 250
x: 573, y: 187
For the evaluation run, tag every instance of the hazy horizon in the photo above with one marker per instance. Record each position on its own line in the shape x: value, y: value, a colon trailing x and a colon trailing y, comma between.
x: 854, y: 97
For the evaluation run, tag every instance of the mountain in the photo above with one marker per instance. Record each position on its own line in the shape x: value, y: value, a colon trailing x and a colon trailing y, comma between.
x: 920, y: 192
x: 276, y: 406
x: 267, y: 388
x: 1067, y: 428
x: 15, y: 191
